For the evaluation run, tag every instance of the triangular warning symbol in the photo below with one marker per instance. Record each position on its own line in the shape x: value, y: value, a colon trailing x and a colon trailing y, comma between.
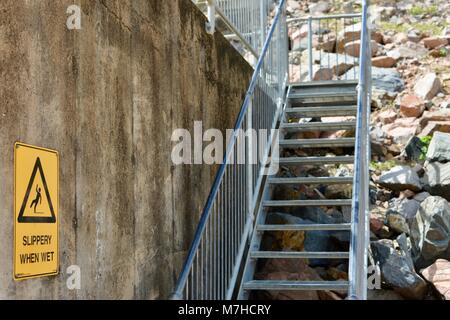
x: 36, y: 219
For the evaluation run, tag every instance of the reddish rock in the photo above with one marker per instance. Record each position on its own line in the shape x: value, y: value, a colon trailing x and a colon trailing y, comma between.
x: 439, y: 275
x: 402, y: 129
x: 292, y: 270
x: 383, y: 62
x: 376, y: 225
x: 412, y: 106
x: 432, y: 126
x: 387, y: 116
x: 428, y: 116
x: 353, y: 48
x: 434, y: 42
x: 323, y: 74
x: 327, y: 46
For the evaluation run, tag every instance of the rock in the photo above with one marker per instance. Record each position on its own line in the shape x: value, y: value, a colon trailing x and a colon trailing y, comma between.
x: 410, y: 50
x: 412, y: 106
x: 401, y: 130
x: 428, y: 86
x: 420, y: 197
x: 430, y: 232
x: 300, y: 240
x: 292, y: 270
x: 329, y: 45
x: 353, y: 48
x: 400, y: 178
x: 439, y: 148
x: 414, y: 36
x: 434, y: 126
x: 413, y: 149
x: 439, y: 275
x: 347, y: 7
x: 437, y: 179
x: 319, y: 8
x: 376, y: 225
x: 383, y: 62
x: 339, y: 63
x: 322, y: 74
x: 407, y: 208
x: 386, y: 79
x: 397, y: 222
x: 434, y: 42
x: 382, y: 294
x: 353, y: 33
x: 397, y: 269
x: 387, y: 116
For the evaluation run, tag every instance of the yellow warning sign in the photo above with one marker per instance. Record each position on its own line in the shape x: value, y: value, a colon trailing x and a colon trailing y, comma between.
x: 36, y: 174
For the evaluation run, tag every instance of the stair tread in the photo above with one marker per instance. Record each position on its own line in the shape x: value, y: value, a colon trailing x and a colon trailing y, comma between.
x: 305, y: 227
x: 314, y: 160
x: 323, y: 108
x: 295, y: 285
x: 299, y: 254
x: 306, y: 180
x: 318, y: 126
x: 317, y: 143
x: 305, y: 203
x: 322, y: 94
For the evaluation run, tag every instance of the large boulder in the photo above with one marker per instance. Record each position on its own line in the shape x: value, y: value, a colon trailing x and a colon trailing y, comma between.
x: 430, y: 232
x: 411, y: 106
x: 437, y: 179
x: 397, y: 269
x: 400, y: 178
x: 439, y: 275
x: 338, y: 63
x: 439, y: 148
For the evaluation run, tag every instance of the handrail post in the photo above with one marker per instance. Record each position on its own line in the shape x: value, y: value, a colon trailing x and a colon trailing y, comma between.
x: 249, y: 152
x: 360, y: 196
x: 310, y: 49
x: 211, y: 24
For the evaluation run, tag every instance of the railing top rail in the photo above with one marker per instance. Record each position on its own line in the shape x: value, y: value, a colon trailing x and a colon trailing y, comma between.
x: 221, y: 171
x: 325, y: 17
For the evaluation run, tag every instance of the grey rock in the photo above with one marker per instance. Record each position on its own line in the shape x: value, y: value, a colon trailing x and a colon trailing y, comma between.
x: 397, y: 269
x: 430, y: 232
x: 413, y: 149
x: 437, y: 179
x: 400, y: 178
x: 385, y: 79
x: 420, y: 197
x: 439, y: 149
x: 397, y: 222
x: 339, y: 63
x: 405, y: 207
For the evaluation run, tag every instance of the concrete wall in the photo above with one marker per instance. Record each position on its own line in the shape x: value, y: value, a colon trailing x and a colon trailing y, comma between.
x: 108, y: 97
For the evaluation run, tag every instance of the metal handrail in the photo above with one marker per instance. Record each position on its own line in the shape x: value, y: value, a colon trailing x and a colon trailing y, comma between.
x: 360, y: 197
x: 245, y: 113
x: 326, y: 21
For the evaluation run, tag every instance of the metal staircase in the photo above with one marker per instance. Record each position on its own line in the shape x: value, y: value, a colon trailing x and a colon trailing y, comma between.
x: 224, y: 255
x: 305, y: 100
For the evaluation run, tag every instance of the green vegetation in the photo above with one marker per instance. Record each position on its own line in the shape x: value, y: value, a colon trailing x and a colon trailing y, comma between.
x: 431, y: 28
x: 420, y: 10
x: 426, y: 143
x: 382, y: 166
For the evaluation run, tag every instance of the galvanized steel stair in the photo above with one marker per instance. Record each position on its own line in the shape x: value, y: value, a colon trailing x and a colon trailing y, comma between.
x: 306, y: 100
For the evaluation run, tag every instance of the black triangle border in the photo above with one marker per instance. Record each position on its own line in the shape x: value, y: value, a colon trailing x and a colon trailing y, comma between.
x: 21, y: 218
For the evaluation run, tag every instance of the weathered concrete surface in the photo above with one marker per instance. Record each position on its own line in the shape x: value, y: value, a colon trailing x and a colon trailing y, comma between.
x: 108, y: 97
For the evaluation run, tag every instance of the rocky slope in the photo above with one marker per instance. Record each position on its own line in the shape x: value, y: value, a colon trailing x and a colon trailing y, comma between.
x: 410, y: 169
